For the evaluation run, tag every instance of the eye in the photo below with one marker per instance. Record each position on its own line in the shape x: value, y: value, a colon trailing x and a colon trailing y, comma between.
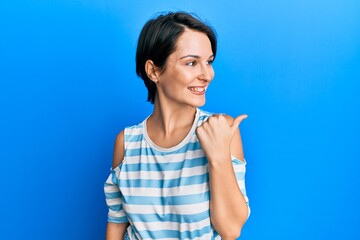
x: 210, y: 62
x: 191, y: 63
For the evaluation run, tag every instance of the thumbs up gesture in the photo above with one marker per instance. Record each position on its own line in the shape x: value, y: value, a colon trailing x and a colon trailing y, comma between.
x: 216, y: 134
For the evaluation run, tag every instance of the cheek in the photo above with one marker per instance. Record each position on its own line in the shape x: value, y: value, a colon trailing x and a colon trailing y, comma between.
x: 185, y: 78
x: 175, y: 85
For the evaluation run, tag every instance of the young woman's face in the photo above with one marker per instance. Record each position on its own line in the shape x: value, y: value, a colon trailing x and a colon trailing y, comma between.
x: 188, y: 70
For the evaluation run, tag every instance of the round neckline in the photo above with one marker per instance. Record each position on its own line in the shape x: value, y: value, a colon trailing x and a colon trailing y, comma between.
x: 177, y: 146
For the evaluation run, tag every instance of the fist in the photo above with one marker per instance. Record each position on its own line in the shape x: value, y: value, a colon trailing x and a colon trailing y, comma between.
x: 216, y: 133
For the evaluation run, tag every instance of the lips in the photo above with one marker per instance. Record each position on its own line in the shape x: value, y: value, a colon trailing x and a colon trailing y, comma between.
x: 197, y: 90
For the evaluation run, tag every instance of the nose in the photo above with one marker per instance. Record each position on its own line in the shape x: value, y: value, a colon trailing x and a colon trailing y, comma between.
x: 207, y: 73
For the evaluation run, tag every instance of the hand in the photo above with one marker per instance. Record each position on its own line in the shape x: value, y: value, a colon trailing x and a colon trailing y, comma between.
x: 216, y: 133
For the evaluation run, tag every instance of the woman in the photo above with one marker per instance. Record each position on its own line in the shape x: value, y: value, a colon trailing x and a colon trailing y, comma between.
x: 180, y: 173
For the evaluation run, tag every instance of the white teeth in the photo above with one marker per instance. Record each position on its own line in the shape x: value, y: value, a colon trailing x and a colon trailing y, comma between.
x: 197, y: 89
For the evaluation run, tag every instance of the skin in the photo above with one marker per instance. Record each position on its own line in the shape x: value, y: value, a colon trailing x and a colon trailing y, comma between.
x: 174, y: 111
x: 116, y: 231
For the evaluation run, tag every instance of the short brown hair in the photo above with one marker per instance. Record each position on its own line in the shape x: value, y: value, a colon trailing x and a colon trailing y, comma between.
x: 158, y: 38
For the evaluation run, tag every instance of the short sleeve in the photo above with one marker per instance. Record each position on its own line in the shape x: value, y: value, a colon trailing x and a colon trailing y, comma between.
x: 240, y: 170
x: 116, y: 212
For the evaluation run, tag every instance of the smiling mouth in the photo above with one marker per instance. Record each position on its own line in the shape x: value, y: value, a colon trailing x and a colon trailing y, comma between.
x: 197, y: 90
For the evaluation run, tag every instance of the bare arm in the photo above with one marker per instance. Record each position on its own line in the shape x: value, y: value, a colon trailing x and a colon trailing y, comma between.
x: 220, y: 138
x: 116, y: 231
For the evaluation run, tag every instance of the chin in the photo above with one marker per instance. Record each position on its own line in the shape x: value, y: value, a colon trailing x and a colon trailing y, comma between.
x: 198, y: 103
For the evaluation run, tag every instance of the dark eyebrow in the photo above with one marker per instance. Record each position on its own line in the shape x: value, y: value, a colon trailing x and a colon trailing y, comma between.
x: 193, y: 56
x: 190, y: 56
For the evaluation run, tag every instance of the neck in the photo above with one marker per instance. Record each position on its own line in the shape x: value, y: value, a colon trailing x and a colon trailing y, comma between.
x: 171, y: 116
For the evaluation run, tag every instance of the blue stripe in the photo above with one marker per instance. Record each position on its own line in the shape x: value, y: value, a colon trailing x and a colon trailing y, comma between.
x: 182, y: 181
x: 170, y: 166
x: 215, y: 234
x: 135, y: 126
x: 236, y: 161
x: 150, y: 151
x: 118, y: 219
x: 203, y: 117
x: 133, y: 138
x: 116, y: 208
x: 114, y: 178
x: 175, y: 233
x: 112, y: 195
x: 166, y: 201
x: 180, y: 218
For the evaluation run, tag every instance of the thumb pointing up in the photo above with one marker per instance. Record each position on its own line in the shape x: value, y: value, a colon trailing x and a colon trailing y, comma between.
x: 236, y: 122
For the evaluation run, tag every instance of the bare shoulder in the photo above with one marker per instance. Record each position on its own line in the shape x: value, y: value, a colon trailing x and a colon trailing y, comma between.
x: 236, y: 147
x: 118, y: 155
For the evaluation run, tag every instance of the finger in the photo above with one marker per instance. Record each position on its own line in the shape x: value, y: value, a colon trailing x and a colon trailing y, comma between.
x: 235, y: 124
x: 217, y: 117
x: 212, y: 119
x: 199, y: 130
x: 206, y: 125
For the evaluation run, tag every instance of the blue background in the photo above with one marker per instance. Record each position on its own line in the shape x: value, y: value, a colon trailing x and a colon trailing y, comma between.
x: 68, y: 86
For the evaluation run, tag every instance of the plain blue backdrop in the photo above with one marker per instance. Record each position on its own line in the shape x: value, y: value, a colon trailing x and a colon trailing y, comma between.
x: 68, y: 86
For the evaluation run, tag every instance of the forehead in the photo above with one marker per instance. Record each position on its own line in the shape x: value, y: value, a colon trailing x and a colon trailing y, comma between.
x: 193, y: 42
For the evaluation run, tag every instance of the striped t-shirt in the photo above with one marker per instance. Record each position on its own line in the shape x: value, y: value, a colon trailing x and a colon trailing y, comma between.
x: 164, y: 192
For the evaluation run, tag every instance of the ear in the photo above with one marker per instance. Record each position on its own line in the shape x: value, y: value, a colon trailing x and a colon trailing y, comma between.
x: 151, y: 71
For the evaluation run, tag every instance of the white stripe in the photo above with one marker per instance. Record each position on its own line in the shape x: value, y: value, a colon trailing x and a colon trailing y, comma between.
x: 158, y: 226
x: 134, y: 131
x: 113, y: 201
x: 161, y: 239
x: 241, y: 184
x: 217, y: 237
x: 135, y: 145
x: 239, y: 167
x: 204, y: 237
x: 166, y: 192
x: 116, y: 214
x: 167, y: 209
x: 111, y: 189
x: 179, y: 157
x: 117, y: 171
x: 130, y: 232
x: 164, y: 175
x: 143, y: 143
x: 138, y: 236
